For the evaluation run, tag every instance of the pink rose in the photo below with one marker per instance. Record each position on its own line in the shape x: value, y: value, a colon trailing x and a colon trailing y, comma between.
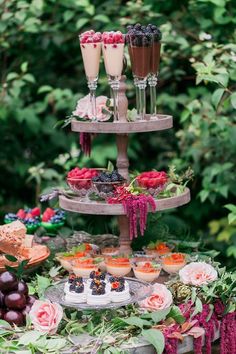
x: 160, y: 299
x: 197, y: 273
x: 46, y: 316
x: 84, y: 108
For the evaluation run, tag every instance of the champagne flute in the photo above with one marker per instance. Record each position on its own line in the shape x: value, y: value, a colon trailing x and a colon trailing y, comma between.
x: 91, y: 44
x: 154, y: 68
x: 113, y: 52
x: 139, y: 45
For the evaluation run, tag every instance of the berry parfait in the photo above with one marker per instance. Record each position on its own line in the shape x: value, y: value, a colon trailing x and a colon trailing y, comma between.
x: 106, y: 183
x: 53, y: 219
x: 152, y: 182
x: 80, y: 180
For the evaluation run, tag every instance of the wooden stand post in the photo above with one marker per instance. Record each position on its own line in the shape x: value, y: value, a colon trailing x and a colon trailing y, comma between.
x: 124, y: 240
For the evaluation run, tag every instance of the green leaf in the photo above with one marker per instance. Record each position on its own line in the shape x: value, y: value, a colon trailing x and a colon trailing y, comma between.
x: 136, y: 321
x: 42, y: 284
x: 10, y: 258
x: 176, y: 314
x: 233, y: 99
x: 45, y: 88
x: 102, y: 18
x: 231, y: 218
x: 12, y: 76
x: 81, y: 22
x: 231, y: 207
x: 29, y: 337
x: 216, y: 97
x: 198, y: 307
x: 24, y: 67
x: 156, y: 338
x: 157, y: 316
x: 110, y: 166
x: 29, y: 78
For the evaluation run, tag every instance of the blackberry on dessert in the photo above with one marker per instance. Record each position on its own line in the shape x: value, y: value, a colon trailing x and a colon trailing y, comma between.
x: 79, y: 288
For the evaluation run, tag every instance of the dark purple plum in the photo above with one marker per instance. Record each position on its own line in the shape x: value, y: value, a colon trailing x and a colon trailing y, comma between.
x: 13, y: 316
x: 26, y: 310
x: 2, y: 303
x: 15, y: 301
x: 2, y: 313
x: 8, y: 282
x: 22, y: 288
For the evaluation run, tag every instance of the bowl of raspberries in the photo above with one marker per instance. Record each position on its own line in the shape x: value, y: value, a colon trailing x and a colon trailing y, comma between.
x: 80, y: 179
x: 106, y: 182
x: 29, y: 217
x: 153, y: 182
x: 53, y: 219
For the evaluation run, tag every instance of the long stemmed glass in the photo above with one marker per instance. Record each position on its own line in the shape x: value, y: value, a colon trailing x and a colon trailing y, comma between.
x: 113, y: 52
x: 91, y: 44
x: 140, y: 55
x: 154, y: 72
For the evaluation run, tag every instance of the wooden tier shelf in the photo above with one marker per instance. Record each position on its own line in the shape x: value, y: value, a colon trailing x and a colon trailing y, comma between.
x: 84, y: 206
x: 161, y: 122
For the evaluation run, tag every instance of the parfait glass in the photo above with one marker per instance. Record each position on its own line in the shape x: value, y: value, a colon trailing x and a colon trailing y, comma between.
x: 113, y: 52
x: 140, y: 47
x: 154, y: 73
x: 91, y: 45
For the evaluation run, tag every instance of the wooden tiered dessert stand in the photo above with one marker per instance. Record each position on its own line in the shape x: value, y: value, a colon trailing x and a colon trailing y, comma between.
x: 122, y: 129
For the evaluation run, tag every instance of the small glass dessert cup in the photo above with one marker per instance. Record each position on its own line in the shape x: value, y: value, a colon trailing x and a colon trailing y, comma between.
x: 83, y: 267
x: 142, y: 257
x: 154, y: 71
x: 152, y: 182
x: 118, y: 267
x: 66, y: 260
x: 173, y: 262
x: 107, y: 189
x: 91, y: 45
x: 140, y: 49
x: 158, y: 249
x: 113, y: 52
x: 147, y: 271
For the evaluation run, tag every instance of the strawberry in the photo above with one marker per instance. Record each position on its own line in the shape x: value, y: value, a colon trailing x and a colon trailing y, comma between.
x: 35, y: 212
x: 21, y: 213
x: 46, y: 217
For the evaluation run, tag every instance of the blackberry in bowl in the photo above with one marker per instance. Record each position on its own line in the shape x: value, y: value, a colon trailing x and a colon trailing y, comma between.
x: 106, y: 182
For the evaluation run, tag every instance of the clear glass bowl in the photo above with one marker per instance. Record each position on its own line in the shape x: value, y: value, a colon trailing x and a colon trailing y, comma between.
x: 147, y: 271
x: 106, y: 189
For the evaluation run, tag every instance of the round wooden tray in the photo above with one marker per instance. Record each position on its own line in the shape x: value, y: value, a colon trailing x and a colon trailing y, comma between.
x: 85, y: 206
x: 160, y: 122
x: 36, y: 260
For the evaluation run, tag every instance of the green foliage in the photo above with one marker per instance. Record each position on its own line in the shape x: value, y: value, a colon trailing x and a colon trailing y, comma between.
x: 42, y: 77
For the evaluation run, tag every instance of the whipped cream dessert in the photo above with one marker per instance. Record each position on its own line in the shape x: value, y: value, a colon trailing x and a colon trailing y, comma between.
x: 119, y: 290
x: 75, y: 290
x: 113, y: 52
x: 90, y: 44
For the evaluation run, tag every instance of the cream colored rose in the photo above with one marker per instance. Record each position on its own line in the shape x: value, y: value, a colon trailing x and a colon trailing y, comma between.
x: 160, y: 299
x: 197, y: 273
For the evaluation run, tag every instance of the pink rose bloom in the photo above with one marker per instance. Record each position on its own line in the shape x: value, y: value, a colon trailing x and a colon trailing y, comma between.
x: 84, y: 108
x: 160, y: 299
x: 46, y: 316
x: 197, y: 273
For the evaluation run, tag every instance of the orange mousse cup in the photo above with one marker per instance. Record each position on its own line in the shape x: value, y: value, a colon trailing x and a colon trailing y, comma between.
x: 173, y: 262
x: 67, y: 260
x: 162, y: 248
x: 147, y: 271
x: 118, y: 267
x: 84, y: 266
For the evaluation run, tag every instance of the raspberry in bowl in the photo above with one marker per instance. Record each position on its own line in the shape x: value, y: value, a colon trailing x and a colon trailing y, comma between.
x: 153, y: 182
x: 173, y: 262
x: 118, y: 266
x: 147, y: 271
x: 80, y: 180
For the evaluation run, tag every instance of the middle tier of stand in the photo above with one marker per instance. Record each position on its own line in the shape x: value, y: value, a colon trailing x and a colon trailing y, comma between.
x: 86, y: 206
x: 160, y: 122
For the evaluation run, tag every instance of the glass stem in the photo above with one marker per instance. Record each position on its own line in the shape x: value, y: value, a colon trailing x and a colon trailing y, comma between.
x: 92, y: 90
x: 137, y: 98
x: 152, y: 81
x: 142, y: 94
x: 115, y: 85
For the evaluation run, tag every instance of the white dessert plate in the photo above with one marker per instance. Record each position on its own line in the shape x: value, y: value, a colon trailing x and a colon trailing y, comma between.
x: 139, y: 290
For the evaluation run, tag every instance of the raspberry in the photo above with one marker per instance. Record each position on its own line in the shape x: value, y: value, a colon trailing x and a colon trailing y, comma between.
x: 35, y: 211
x: 21, y: 213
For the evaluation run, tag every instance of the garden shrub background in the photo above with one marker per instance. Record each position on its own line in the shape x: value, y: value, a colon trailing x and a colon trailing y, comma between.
x: 42, y: 77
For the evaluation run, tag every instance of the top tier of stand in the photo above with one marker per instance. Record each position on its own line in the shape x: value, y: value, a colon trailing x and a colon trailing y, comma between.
x: 160, y: 122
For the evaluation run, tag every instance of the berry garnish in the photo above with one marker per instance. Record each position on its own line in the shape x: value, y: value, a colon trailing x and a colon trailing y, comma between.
x: 90, y: 37
x: 113, y: 38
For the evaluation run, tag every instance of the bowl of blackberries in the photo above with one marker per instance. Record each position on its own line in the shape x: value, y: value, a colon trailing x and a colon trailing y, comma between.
x: 106, y: 182
x: 15, y: 301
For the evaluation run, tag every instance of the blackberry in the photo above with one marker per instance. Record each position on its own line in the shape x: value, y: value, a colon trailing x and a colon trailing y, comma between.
x: 72, y: 287
x: 103, y: 276
x: 121, y: 288
x: 112, y: 279
x: 79, y: 288
x: 79, y: 279
x: 72, y: 277
x: 129, y: 27
x: 96, y: 179
x: 137, y: 26
x: 92, y: 274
